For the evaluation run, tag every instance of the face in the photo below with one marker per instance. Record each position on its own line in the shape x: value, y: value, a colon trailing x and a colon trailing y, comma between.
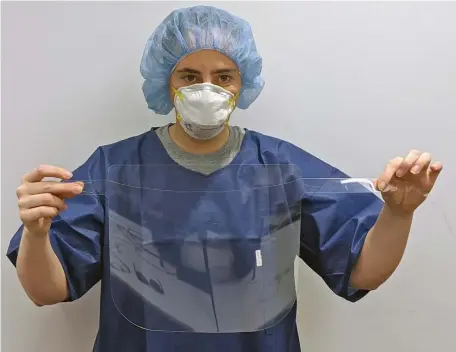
x: 206, y: 66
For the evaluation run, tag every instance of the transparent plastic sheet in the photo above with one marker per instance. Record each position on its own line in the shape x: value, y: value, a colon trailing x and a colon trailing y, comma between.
x: 319, y: 187
x: 190, y: 252
x: 210, y: 253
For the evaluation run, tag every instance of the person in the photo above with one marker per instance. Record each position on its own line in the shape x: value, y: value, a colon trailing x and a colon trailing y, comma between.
x: 203, y: 62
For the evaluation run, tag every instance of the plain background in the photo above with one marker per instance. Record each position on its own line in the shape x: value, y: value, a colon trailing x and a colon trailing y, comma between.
x: 354, y: 83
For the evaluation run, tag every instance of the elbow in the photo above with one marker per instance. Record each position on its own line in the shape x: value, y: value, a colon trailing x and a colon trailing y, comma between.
x: 363, y: 283
x: 36, y: 303
x: 43, y: 296
x: 44, y: 301
x: 368, y: 286
x: 40, y: 299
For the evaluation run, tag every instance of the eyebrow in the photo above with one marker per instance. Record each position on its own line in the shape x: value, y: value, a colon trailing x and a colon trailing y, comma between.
x: 225, y: 70
x: 188, y: 70
x: 196, y: 72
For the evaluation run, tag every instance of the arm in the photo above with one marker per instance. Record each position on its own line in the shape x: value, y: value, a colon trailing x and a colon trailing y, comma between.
x: 404, y: 184
x: 383, y: 249
x: 57, y: 250
x: 40, y: 271
x: 353, y: 240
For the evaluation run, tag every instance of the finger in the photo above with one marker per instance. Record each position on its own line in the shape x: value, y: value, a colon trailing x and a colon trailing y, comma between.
x: 384, y: 187
x: 436, y: 167
x: 389, y: 172
x: 43, y: 171
x: 43, y: 199
x: 35, y: 214
x: 408, y: 162
x: 434, y: 171
x: 421, y: 164
x: 60, y: 189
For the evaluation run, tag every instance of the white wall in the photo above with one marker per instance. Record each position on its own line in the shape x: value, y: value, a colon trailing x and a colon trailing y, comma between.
x: 374, y: 79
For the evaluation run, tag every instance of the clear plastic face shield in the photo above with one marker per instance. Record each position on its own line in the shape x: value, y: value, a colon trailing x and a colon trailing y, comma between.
x: 208, y: 254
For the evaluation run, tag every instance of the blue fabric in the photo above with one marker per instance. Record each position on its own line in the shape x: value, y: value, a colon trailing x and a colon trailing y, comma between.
x: 334, y: 227
x: 191, y: 29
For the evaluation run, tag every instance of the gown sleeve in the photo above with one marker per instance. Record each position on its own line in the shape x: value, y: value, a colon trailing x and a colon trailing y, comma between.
x: 333, y: 232
x: 334, y: 225
x: 76, y: 234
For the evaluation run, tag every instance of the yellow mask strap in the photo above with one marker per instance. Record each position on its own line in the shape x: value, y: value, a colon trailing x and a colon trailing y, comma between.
x: 178, y: 93
x: 232, y: 101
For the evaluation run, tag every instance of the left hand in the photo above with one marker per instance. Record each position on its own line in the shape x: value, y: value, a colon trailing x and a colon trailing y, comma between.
x: 406, y: 182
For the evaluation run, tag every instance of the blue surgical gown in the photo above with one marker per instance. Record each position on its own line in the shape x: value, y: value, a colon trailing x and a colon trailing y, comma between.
x: 333, y: 230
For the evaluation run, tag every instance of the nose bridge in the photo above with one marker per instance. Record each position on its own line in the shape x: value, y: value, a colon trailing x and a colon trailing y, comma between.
x: 207, y: 77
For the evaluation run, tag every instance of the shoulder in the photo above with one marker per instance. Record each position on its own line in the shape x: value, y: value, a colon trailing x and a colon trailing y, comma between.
x: 276, y: 150
x: 126, y: 144
x: 125, y: 151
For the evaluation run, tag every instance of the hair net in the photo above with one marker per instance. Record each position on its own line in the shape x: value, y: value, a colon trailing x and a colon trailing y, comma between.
x: 191, y: 29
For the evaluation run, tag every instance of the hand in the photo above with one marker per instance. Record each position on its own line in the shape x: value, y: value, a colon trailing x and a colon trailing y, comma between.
x: 406, y: 182
x: 40, y: 201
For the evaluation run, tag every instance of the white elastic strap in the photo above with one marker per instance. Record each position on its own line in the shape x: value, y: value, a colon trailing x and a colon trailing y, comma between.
x: 360, y: 180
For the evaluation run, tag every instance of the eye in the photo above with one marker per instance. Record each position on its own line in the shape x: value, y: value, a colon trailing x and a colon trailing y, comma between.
x: 225, y: 78
x: 189, y: 78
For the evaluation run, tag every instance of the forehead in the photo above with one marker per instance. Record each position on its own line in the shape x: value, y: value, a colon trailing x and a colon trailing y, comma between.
x: 206, y: 60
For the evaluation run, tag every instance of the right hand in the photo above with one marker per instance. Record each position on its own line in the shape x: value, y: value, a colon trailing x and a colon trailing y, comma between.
x: 39, y: 201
